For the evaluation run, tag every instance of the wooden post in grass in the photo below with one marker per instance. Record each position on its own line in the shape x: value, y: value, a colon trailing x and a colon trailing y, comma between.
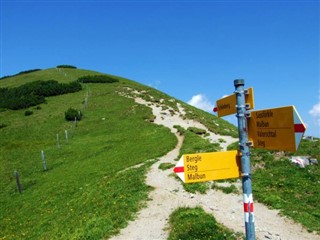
x: 86, y: 101
x: 70, y: 131
x: 66, y: 133
x: 44, y: 161
x: 16, y: 174
x: 58, y: 141
x: 75, y: 121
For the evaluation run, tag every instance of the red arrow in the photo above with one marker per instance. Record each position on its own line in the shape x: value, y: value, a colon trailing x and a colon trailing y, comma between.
x: 299, y: 128
x: 178, y: 169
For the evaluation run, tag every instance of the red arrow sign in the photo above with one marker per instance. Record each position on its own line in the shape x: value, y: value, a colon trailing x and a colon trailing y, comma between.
x: 178, y: 169
x: 299, y: 128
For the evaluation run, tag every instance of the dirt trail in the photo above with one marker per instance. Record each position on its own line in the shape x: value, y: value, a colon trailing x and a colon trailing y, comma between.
x: 168, y: 194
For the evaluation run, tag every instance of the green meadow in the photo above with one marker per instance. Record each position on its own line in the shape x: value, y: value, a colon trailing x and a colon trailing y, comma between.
x: 88, y: 190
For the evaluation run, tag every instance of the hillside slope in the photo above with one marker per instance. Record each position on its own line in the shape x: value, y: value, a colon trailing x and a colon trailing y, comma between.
x: 102, y: 170
x: 84, y: 184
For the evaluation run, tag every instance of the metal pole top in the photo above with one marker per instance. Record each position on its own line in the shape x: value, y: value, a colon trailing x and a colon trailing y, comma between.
x: 238, y: 82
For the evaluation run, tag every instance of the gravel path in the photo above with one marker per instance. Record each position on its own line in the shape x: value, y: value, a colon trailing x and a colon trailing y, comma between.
x: 168, y: 194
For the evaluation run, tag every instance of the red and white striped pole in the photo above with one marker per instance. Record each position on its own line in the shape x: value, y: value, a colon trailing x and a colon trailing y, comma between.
x: 248, y: 207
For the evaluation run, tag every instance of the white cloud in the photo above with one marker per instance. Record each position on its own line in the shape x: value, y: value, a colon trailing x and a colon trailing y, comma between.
x: 155, y: 84
x: 315, y: 112
x: 202, y: 102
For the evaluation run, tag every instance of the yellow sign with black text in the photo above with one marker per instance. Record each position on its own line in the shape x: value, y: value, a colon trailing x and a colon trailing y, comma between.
x: 202, y: 167
x: 276, y: 128
x: 227, y: 105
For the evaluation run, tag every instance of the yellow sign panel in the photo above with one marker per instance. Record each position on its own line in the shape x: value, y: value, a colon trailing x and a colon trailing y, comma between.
x: 202, y: 167
x: 276, y: 129
x: 227, y: 105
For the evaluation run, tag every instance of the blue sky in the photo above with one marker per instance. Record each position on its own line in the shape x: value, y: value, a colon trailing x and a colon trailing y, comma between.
x: 191, y: 50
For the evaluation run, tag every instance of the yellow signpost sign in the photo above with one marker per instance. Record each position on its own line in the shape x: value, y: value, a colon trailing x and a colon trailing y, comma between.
x: 227, y: 105
x: 276, y: 128
x: 202, y: 167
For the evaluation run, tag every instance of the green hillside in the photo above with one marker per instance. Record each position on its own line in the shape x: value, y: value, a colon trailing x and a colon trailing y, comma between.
x: 60, y: 74
x: 85, y: 192
x: 90, y: 189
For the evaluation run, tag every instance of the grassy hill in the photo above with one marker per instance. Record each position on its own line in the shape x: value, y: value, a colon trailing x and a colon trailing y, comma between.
x: 89, y: 190
x: 62, y: 75
x: 85, y: 192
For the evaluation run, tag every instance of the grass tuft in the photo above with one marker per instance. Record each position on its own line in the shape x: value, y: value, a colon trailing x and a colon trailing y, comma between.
x: 165, y: 166
x: 195, y: 223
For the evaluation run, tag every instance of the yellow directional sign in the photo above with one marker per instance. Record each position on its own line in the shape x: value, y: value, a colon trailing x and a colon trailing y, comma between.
x: 227, y: 105
x: 202, y: 167
x: 276, y: 129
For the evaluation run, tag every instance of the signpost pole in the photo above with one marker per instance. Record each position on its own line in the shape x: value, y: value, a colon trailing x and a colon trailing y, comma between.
x: 245, y: 160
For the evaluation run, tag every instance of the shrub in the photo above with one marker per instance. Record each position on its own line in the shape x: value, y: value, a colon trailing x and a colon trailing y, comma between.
x: 166, y: 165
x: 97, y: 79
x: 72, y: 113
x: 7, y: 76
x: 180, y: 129
x: 21, y: 102
x: 53, y: 88
x: 28, y: 71
x: 2, y: 125
x: 66, y: 66
x: 198, y: 131
x: 34, y: 93
x: 28, y: 113
x: 22, y: 72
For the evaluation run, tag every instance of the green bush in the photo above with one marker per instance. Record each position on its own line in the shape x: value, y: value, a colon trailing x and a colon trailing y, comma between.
x: 28, y: 71
x: 13, y: 99
x: 22, y: 72
x: 72, y: 113
x: 97, y: 79
x: 180, y: 129
x: 165, y: 166
x: 34, y: 93
x: 6, y: 76
x: 28, y: 113
x: 66, y: 66
x: 196, y: 130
